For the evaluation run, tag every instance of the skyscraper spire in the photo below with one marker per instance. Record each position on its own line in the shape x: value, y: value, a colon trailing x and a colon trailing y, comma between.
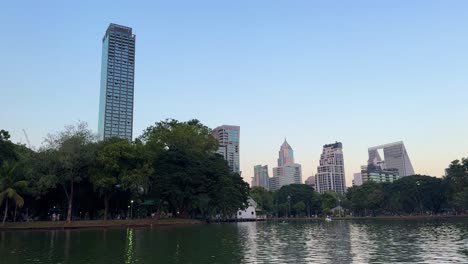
x: 287, y: 171
x: 286, y: 154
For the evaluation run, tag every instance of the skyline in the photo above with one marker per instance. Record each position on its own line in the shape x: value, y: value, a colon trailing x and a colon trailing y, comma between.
x: 382, y: 73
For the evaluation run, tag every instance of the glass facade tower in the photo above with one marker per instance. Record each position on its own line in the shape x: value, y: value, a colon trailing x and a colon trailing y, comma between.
x: 261, y: 177
x: 228, y: 139
x: 117, y: 83
x: 287, y: 171
x: 285, y: 155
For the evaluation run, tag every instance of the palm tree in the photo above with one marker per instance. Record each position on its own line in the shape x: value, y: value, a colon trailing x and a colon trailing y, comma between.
x: 9, y: 187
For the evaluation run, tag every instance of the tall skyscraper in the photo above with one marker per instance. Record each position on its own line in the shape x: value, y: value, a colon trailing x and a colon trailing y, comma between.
x: 261, y: 177
x: 395, y: 157
x: 287, y: 171
x: 117, y: 83
x: 228, y: 139
x: 330, y: 172
x: 286, y: 155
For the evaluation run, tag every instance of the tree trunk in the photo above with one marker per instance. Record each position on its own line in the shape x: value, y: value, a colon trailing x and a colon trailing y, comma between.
x: 106, y: 205
x: 70, y: 202
x: 14, y: 217
x: 6, y: 211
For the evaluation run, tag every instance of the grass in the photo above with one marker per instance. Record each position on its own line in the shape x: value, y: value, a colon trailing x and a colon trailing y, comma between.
x: 98, y: 224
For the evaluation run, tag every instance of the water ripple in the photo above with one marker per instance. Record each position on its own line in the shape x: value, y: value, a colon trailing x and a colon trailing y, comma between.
x: 366, y: 241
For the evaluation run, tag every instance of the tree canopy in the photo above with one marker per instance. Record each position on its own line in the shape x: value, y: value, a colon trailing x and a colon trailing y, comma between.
x: 171, y: 169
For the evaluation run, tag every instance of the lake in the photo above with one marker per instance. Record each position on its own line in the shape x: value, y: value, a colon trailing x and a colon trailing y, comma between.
x: 345, y: 241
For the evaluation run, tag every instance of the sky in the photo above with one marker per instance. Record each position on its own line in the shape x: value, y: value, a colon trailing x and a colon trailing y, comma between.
x: 364, y: 73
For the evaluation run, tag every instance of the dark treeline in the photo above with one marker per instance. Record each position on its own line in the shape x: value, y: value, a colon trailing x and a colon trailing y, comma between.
x: 412, y: 195
x: 171, y: 169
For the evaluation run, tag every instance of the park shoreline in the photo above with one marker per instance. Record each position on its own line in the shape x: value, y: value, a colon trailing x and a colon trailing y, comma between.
x: 386, y: 217
x: 98, y: 224
x: 101, y: 224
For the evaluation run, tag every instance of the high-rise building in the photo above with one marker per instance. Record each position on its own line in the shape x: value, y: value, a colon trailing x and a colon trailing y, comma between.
x: 311, y: 182
x: 287, y: 171
x: 330, y: 172
x: 117, y: 83
x: 228, y: 139
x: 357, y: 179
x: 285, y: 155
x: 261, y: 177
x: 395, y: 157
x: 378, y: 174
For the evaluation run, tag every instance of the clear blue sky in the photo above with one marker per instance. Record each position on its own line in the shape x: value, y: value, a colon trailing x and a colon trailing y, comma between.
x: 361, y: 72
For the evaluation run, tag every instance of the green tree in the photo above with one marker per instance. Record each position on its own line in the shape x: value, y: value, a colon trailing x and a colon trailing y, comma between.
x: 329, y: 201
x: 263, y: 198
x: 113, y: 162
x: 72, y: 152
x: 10, y: 186
x: 456, y: 181
x: 7, y: 148
x: 460, y: 200
x: 297, y: 193
x: 299, y: 208
x: 188, y: 175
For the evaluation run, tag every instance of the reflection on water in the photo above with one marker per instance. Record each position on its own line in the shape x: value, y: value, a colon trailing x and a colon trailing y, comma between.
x: 129, y: 251
x: 367, y: 241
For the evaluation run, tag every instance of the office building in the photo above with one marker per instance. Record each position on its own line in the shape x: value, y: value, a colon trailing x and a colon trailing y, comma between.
x: 117, y: 83
x: 357, y: 179
x: 285, y: 155
x: 261, y: 177
x: 376, y: 174
x: 330, y: 172
x: 228, y: 139
x: 395, y: 157
x: 310, y: 182
x: 287, y: 171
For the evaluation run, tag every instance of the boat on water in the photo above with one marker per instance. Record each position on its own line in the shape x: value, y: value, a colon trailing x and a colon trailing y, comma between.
x: 328, y: 218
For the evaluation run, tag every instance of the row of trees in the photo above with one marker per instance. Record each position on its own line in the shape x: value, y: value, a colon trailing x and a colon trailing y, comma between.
x: 414, y: 194
x: 171, y: 168
x: 409, y: 195
x: 297, y: 200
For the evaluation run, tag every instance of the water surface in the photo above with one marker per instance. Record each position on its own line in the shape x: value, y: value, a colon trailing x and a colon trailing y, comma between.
x: 365, y: 241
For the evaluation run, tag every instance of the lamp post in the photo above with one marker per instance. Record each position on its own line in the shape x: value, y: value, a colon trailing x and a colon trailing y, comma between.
x: 419, y: 197
x: 289, y: 202
x: 339, y: 206
x: 131, y: 209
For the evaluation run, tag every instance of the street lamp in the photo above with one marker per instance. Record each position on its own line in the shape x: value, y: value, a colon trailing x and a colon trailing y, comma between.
x: 131, y: 210
x: 339, y: 206
x: 289, y: 202
x: 419, y: 196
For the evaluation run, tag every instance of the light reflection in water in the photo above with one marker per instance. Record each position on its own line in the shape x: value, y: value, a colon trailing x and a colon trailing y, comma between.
x: 129, y: 247
x: 365, y: 241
